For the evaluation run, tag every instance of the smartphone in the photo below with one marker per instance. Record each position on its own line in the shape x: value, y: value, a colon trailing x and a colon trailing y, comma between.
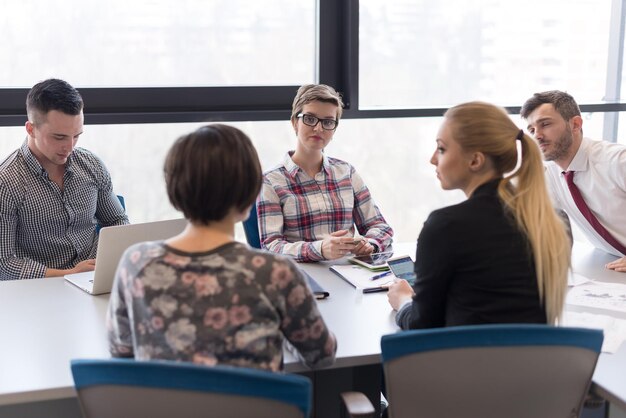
x: 403, y: 268
x: 375, y: 261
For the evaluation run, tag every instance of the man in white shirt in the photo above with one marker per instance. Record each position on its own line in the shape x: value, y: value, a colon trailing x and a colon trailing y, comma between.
x: 587, y: 179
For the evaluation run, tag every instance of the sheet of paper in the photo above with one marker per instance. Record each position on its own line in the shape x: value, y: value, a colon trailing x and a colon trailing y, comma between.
x: 360, y: 277
x: 614, y: 328
x: 575, y: 279
x: 610, y: 296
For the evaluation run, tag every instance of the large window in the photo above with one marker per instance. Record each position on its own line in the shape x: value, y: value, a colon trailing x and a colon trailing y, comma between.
x: 151, y: 43
x: 438, y: 53
x: 621, y: 134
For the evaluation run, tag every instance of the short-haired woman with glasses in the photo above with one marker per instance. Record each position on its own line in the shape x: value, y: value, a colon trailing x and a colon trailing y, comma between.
x: 310, y: 204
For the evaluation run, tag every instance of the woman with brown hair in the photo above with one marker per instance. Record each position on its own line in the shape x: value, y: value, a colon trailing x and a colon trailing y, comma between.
x: 201, y: 296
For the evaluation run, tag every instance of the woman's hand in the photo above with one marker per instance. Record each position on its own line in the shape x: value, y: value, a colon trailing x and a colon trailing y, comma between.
x: 337, y: 245
x: 399, y: 293
x: 363, y: 247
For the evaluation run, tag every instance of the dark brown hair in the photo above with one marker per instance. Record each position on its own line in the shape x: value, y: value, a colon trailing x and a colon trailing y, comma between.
x: 562, y: 102
x: 52, y: 94
x: 210, y: 171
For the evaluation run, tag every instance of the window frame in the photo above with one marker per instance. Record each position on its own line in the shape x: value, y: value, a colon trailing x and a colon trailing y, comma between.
x: 338, y: 65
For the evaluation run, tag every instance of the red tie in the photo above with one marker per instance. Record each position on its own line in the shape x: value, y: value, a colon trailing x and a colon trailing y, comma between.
x: 589, y: 216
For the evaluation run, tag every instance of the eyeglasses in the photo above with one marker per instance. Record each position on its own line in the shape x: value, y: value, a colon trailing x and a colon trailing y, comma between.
x: 310, y: 120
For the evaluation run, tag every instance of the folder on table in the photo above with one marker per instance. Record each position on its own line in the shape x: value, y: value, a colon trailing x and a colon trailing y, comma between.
x: 316, y: 288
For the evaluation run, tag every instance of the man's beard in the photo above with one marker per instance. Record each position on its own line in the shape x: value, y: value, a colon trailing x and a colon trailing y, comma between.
x: 561, y: 146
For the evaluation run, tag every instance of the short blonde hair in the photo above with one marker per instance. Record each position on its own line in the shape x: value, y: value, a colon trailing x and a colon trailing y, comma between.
x: 315, y: 93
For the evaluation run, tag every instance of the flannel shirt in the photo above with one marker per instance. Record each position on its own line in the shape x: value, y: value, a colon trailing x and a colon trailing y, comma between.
x: 296, y: 212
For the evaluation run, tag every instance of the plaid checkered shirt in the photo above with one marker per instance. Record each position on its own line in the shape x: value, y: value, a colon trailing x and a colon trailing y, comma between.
x: 296, y: 212
x: 43, y: 226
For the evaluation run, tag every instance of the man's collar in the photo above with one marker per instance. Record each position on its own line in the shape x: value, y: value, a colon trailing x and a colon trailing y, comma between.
x: 31, y: 161
x: 580, y: 162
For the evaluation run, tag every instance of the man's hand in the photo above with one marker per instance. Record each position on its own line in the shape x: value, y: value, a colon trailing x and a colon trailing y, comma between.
x: 618, y: 265
x: 86, y: 265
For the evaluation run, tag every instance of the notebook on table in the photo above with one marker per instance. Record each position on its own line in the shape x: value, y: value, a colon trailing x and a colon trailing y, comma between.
x: 112, y: 242
x: 362, y: 278
x: 373, y: 280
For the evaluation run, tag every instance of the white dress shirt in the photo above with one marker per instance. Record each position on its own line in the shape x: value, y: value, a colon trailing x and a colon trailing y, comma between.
x: 600, y: 168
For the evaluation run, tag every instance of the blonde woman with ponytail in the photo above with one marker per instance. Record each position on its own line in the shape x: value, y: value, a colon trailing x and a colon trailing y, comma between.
x: 501, y: 256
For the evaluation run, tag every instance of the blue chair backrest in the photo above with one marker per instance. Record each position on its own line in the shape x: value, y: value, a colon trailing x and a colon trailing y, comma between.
x: 251, y: 228
x: 416, y: 341
x: 490, y: 371
x: 241, y: 385
x: 121, y: 199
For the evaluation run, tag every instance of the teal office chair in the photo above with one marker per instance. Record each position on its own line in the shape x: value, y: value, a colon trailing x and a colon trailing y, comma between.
x: 122, y: 201
x: 488, y: 371
x: 251, y: 228
x: 159, y: 389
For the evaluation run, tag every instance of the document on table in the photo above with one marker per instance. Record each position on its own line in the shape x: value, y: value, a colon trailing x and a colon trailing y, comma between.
x: 610, y: 296
x: 614, y: 328
x: 360, y: 277
x: 575, y: 279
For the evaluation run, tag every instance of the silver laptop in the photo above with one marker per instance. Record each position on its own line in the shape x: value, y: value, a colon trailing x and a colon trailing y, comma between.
x: 112, y: 243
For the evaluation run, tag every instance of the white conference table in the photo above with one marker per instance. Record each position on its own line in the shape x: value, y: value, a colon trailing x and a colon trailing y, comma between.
x: 48, y: 322
x: 609, y: 379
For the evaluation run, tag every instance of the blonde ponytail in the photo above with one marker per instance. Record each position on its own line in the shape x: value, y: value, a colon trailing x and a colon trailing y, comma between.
x: 530, y: 204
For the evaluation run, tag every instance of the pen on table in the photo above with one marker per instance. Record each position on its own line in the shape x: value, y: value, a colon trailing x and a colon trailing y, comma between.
x: 380, y: 276
x: 375, y: 289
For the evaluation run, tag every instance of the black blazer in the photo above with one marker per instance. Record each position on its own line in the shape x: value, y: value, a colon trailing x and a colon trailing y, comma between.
x: 473, y: 266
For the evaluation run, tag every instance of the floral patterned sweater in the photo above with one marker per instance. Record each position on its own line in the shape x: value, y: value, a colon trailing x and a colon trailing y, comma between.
x: 231, y: 306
